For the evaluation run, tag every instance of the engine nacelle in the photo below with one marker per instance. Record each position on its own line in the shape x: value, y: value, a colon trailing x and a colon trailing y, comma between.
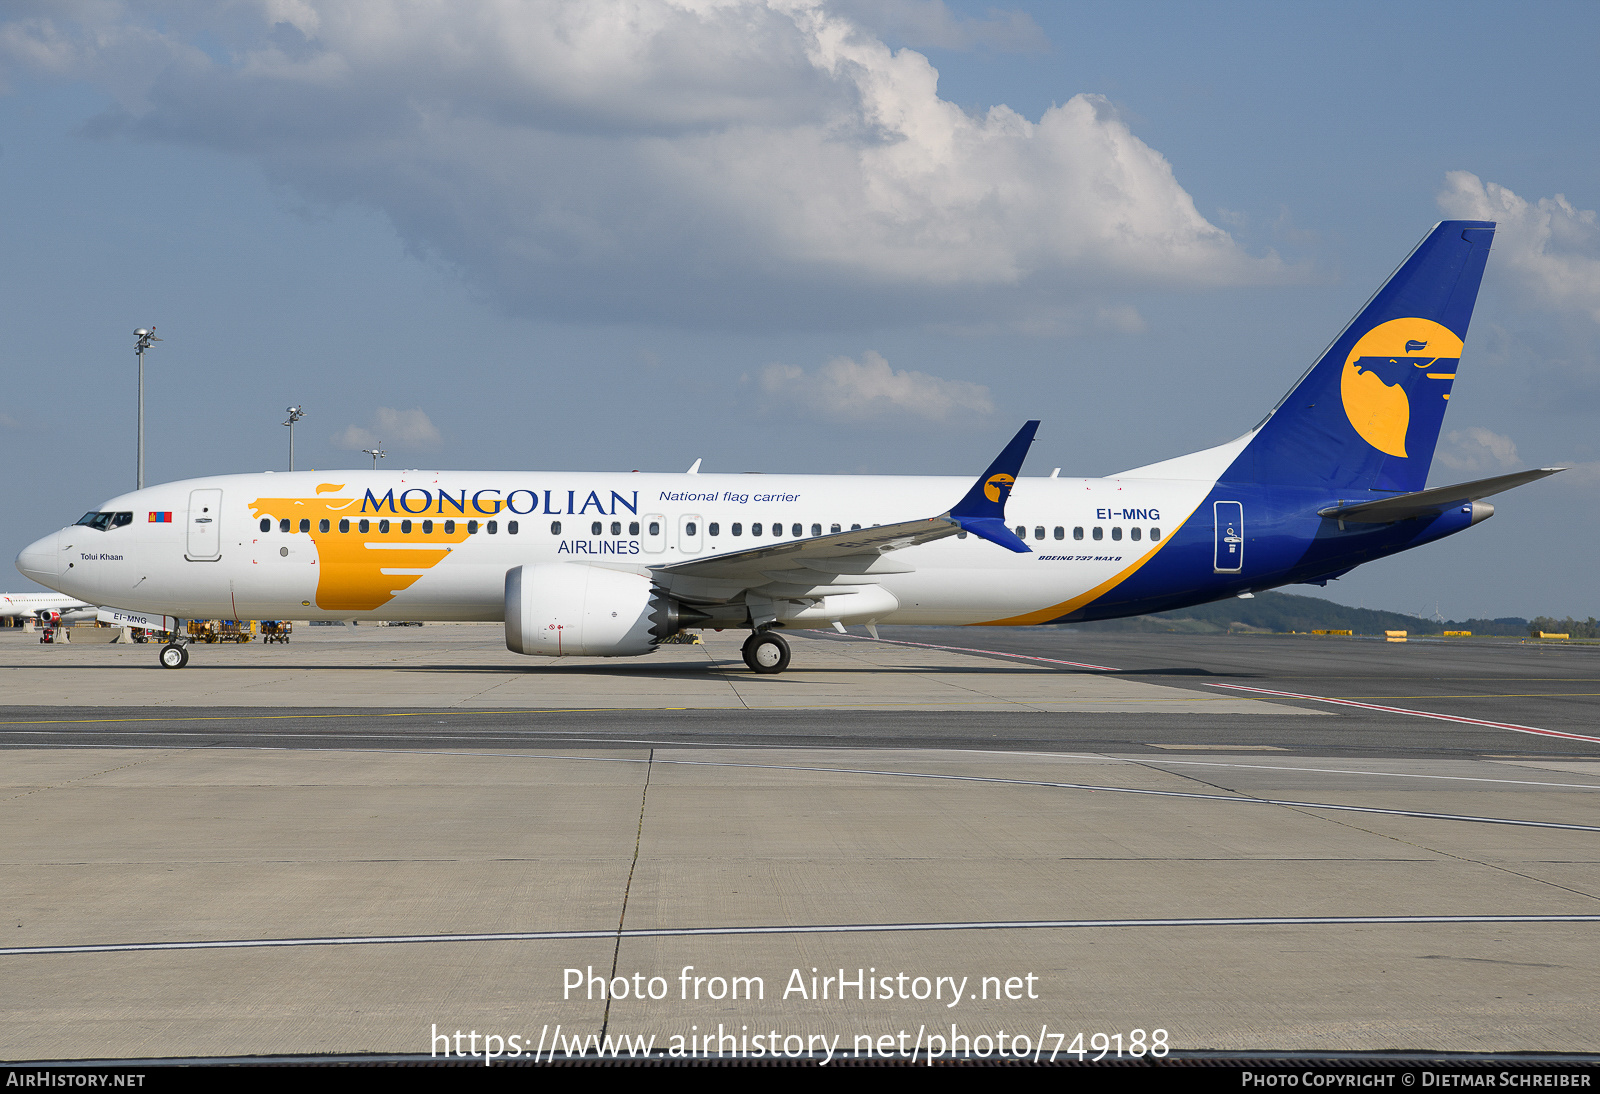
x: 49, y: 617
x: 572, y: 610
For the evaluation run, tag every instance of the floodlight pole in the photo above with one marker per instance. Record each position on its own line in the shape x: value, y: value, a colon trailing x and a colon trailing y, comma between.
x: 295, y: 414
x: 145, y: 337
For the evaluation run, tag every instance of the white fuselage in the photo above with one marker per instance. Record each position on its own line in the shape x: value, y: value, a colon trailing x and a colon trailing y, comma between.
x: 199, y: 548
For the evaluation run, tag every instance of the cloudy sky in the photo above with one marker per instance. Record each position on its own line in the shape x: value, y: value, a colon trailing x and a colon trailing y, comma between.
x: 789, y: 235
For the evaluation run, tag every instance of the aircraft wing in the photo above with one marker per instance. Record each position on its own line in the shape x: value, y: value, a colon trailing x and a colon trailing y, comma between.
x: 813, y: 566
x: 1424, y: 503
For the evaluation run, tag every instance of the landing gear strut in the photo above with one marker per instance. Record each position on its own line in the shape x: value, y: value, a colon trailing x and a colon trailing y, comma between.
x: 766, y: 652
x: 174, y: 655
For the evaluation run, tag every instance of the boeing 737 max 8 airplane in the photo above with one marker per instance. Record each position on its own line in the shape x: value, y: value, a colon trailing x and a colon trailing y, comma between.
x: 612, y: 564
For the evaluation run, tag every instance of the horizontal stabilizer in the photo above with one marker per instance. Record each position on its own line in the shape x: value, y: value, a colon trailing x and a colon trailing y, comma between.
x: 1424, y: 503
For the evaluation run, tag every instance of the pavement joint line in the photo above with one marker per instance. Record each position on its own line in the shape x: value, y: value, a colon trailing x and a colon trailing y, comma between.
x: 1063, y: 756
x: 797, y: 929
x: 1232, y: 799
x: 627, y: 886
x: 1512, y: 726
x: 1269, y: 766
x: 1003, y: 703
x: 365, y: 713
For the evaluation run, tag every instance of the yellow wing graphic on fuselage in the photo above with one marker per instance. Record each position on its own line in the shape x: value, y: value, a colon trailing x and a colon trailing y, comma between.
x: 352, y: 564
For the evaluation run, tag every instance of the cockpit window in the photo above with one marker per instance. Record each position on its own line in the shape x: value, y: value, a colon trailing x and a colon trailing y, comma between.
x: 100, y: 522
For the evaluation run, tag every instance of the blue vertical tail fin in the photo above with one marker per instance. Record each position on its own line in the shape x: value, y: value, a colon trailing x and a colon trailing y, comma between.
x: 1366, y: 416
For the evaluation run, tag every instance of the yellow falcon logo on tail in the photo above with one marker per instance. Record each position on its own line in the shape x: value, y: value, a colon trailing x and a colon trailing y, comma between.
x: 1378, y: 411
x: 997, y: 485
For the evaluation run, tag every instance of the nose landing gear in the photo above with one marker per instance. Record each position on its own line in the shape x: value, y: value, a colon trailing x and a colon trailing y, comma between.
x: 174, y: 655
x: 766, y: 652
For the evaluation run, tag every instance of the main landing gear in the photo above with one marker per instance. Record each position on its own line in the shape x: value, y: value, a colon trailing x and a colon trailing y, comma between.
x: 174, y: 655
x: 766, y: 652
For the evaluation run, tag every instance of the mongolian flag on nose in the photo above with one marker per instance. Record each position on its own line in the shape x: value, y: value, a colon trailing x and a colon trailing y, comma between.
x: 160, y: 518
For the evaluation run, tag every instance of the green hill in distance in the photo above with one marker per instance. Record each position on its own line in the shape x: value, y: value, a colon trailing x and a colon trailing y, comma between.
x: 1284, y: 612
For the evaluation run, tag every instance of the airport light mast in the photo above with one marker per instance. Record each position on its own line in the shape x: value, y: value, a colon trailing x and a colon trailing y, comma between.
x: 145, y: 337
x: 295, y: 414
x: 376, y: 454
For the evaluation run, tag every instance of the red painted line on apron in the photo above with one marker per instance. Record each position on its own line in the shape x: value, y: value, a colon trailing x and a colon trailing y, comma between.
x: 968, y: 649
x: 1512, y: 726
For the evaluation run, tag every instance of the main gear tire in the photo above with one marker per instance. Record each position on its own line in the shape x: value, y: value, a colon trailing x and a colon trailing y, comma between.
x: 766, y: 652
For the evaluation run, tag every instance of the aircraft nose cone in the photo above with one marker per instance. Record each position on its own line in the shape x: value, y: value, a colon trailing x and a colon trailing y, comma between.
x: 40, y: 560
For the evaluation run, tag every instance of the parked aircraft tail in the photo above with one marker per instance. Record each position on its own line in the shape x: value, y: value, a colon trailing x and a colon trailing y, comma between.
x: 1366, y: 416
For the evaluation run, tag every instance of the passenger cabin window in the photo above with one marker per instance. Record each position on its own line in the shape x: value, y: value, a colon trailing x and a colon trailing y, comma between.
x: 714, y: 529
x: 594, y: 529
x: 737, y: 529
x: 405, y: 528
x: 365, y: 526
x: 266, y: 523
x: 689, y: 529
x: 1099, y: 533
x: 511, y: 527
x: 383, y: 527
x: 283, y: 525
x: 833, y: 528
x: 1155, y: 534
x: 1022, y: 531
x: 1061, y: 533
x: 633, y: 528
x: 1038, y: 532
x: 322, y: 525
x: 616, y: 527
x: 493, y: 527
x: 305, y: 526
x: 655, y: 528
x: 344, y: 524
x: 450, y: 527
x: 555, y: 528
x: 427, y: 527
x: 961, y: 535
x: 1077, y: 533
x: 855, y: 527
x: 472, y: 527
x: 755, y: 529
x: 797, y: 531
x: 1133, y: 534
x: 816, y: 529
x: 1116, y: 533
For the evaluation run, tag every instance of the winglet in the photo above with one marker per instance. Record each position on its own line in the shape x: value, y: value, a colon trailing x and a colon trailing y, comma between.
x: 983, y: 510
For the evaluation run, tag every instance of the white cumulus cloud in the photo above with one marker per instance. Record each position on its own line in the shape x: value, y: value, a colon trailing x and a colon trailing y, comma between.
x: 1551, y: 248
x: 391, y: 428
x: 844, y: 390
x: 742, y: 162
x: 1478, y: 450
